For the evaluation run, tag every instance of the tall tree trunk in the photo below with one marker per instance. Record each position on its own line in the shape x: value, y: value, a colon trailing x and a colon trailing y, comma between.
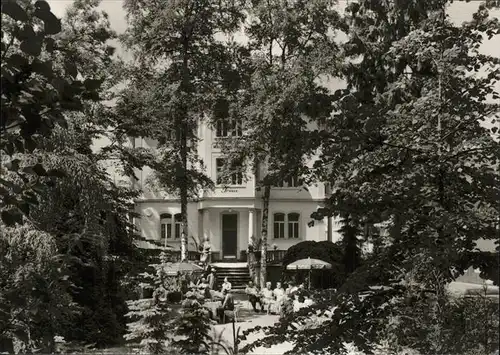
x: 265, y: 222
x: 184, y: 217
x: 184, y: 153
x: 184, y: 194
x: 251, y: 258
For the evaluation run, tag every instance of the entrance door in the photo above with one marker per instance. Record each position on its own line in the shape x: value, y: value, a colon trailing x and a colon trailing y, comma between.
x: 229, y: 236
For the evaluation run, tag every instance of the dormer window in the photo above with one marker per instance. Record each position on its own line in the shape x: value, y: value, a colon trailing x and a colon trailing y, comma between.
x: 291, y: 181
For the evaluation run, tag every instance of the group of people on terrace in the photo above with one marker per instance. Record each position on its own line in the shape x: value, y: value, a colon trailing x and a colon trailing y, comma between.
x: 206, y: 287
x: 268, y: 299
x: 272, y: 300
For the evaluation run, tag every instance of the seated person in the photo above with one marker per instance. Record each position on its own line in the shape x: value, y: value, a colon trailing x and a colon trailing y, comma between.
x: 267, y: 296
x: 291, y: 288
x: 202, y: 284
x: 227, y: 304
x: 253, y: 296
x: 279, y: 295
x: 279, y: 292
x: 203, y: 288
x: 226, y: 285
x: 308, y: 301
x: 297, y: 304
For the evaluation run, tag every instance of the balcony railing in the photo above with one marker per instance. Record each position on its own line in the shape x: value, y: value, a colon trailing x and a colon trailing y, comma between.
x: 275, y: 256
x: 272, y: 256
x: 175, y: 255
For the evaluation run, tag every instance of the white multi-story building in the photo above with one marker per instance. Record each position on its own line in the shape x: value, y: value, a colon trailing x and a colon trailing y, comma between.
x: 231, y: 214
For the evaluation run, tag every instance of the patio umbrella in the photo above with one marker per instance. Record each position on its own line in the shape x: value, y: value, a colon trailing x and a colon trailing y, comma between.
x: 182, y: 267
x: 309, y: 264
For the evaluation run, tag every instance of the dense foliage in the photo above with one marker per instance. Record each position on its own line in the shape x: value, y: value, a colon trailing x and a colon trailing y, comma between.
x: 39, y: 84
x: 444, y: 324
x: 406, y: 145
x: 34, y: 297
x: 193, y: 327
x: 56, y: 73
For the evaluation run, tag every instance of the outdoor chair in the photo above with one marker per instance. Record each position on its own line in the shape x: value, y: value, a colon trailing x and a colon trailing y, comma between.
x: 234, y: 313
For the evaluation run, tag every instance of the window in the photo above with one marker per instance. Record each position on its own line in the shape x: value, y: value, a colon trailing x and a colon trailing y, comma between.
x: 291, y: 181
x: 178, y: 226
x: 293, y: 225
x: 286, y: 226
x: 228, y: 127
x: 166, y: 226
x: 279, y: 225
x: 234, y: 178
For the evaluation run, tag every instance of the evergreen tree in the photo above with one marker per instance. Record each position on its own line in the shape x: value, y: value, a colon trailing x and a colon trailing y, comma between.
x: 83, y: 210
x: 193, y: 326
x: 351, y: 243
x: 152, y: 317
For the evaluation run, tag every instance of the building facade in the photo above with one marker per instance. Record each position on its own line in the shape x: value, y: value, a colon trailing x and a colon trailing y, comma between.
x: 231, y: 214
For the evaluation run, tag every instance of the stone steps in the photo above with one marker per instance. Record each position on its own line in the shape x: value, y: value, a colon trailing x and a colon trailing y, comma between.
x: 238, y: 276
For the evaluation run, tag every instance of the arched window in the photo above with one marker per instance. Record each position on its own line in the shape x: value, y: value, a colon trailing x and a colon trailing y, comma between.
x: 178, y: 226
x: 279, y: 225
x: 166, y: 226
x: 293, y: 225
